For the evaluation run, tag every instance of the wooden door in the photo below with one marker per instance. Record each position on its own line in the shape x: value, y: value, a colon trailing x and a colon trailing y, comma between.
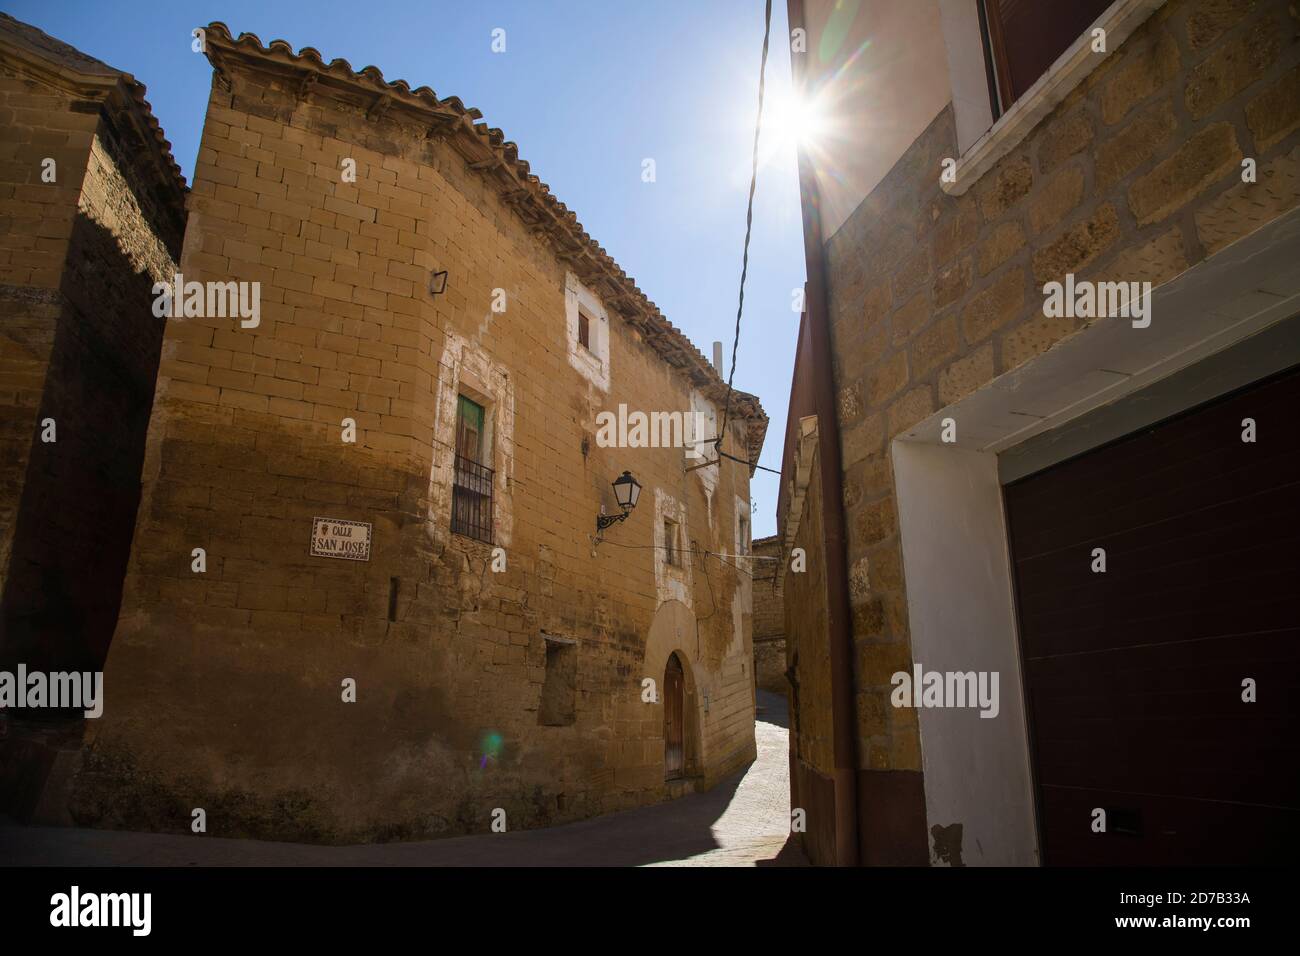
x: 674, y: 714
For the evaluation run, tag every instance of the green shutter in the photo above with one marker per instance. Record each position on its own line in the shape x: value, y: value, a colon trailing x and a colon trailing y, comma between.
x: 469, y: 429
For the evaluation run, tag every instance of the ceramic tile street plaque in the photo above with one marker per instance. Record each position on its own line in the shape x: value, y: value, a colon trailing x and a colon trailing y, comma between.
x: 340, y: 538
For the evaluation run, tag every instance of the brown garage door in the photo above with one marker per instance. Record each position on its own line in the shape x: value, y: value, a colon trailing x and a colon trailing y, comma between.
x: 1134, y: 676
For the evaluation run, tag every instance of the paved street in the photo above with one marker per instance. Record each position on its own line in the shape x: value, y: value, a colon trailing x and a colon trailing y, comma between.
x: 743, y: 821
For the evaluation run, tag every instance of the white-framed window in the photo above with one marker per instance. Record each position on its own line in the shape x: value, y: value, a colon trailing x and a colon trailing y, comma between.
x: 672, y: 543
x: 672, y: 550
x: 587, y: 332
x: 1001, y: 87
x: 473, y: 476
x: 743, y: 541
x: 1023, y: 40
x: 473, y: 447
x: 701, y: 430
x: 584, y: 329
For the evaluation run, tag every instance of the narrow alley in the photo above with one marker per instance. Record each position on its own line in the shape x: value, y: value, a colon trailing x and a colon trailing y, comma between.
x: 743, y: 821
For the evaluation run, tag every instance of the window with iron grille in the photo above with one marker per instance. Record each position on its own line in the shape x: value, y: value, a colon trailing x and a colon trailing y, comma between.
x: 471, y: 500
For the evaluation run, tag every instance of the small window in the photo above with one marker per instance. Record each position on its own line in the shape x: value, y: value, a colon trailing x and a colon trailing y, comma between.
x: 558, y: 707
x: 672, y: 547
x: 1025, y: 38
x: 586, y: 332
x: 469, y: 429
x: 471, y: 501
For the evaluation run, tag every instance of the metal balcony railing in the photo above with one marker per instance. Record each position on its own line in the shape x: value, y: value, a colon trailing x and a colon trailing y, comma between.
x: 471, y: 500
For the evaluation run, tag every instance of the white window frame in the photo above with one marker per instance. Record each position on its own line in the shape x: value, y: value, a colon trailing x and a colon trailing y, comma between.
x: 672, y: 581
x: 591, y: 360
x: 744, y: 535
x: 466, y: 369
x: 707, y: 477
x: 981, y: 142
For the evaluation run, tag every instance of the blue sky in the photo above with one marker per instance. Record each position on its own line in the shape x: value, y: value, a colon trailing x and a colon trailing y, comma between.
x: 588, y: 90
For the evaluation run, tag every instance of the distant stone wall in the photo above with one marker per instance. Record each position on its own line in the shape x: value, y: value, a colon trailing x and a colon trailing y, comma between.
x: 769, y: 618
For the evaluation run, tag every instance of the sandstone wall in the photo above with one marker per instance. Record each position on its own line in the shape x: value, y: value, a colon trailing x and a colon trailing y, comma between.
x: 812, y: 741
x: 81, y: 348
x: 224, y: 687
x: 769, y: 618
x: 1135, y: 176
x: 37, y: 122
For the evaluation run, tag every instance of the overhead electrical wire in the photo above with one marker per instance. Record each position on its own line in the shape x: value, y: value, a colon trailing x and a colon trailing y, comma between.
x: 749, y: 225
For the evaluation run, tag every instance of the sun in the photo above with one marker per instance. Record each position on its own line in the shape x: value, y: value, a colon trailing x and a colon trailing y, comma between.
x: 790, y: 122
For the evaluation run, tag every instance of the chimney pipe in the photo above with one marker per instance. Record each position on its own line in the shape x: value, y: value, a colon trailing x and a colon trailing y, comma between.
x: 717, y: 356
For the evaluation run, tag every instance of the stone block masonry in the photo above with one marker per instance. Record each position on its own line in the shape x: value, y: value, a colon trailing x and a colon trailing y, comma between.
x: 91, y: 213
x: 499, y: 674
x: 1132, y: 177
x: 1137, y: 175
x: 769, y: 617
x: 93, y: 207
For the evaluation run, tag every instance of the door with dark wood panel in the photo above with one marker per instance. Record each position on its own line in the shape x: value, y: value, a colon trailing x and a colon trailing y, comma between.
x: 674, y: 751
x: 1135, y: 676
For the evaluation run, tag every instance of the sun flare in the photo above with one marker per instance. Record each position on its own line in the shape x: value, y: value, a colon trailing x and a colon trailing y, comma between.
x: 791, y: 121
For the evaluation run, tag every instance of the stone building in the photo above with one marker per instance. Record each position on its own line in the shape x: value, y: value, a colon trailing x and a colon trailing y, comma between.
x: 367, y: 598
x: 93, y: 207
x: 1092, y: 502
x: 92, y: 210
x: 769, y: 617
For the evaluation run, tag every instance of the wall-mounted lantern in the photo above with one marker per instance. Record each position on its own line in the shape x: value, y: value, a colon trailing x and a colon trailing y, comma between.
x: 626, y: 489
x: 438, y: 282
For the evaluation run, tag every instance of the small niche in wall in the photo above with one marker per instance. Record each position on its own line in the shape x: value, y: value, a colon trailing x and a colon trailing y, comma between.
x: 558, y: 706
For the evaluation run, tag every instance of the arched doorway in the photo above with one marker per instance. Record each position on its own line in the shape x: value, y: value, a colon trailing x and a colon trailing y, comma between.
x: 674, y: 719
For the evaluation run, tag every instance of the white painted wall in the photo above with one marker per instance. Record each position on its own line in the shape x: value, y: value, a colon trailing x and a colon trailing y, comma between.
x: 704, y: 411
x: 962, y: 618
x: 972, y: 110
x: 879, y: 72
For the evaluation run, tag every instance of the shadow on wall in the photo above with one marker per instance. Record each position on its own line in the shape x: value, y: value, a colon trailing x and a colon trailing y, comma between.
x: 76, y: 518
x: 790, y: 854
x: 773, y: 709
